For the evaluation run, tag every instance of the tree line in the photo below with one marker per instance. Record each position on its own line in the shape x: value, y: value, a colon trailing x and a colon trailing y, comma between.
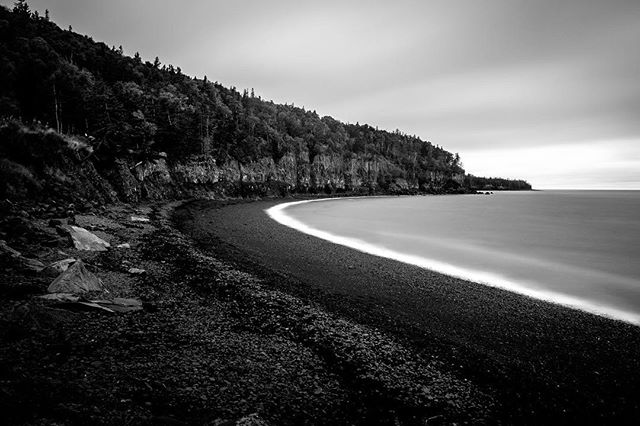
x: 128, y: 107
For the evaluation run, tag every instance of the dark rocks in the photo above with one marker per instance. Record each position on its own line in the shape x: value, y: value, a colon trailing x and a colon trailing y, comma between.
x: 32, y: 265
x: 85, y: 240
x: 121, y: 305
x: 56, y: 268
x: 55, y: 222
x: 5, y: 250
x: 80, y: 303
x: 76, y: 279
x: 55, y: 242
x: 251, y: 420
x: 17, y: 260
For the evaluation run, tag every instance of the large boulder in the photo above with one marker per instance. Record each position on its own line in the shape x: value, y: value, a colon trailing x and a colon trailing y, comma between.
x: 76, y: 279
x: 56, y: 268
x: 85, y: 240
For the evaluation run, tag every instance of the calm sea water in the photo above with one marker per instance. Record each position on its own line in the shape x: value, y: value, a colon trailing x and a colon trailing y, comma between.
x: 578, y: 248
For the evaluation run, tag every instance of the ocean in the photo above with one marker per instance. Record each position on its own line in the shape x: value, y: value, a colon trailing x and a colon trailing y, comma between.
x: 576, y: 248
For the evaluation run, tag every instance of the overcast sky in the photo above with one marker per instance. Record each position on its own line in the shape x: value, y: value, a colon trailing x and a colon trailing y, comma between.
x: 548, y: 91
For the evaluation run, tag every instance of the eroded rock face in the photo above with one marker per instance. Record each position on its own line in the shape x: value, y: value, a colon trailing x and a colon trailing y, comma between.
x: 76, y: 280
x: 291, y: 173
x: 85, y: 240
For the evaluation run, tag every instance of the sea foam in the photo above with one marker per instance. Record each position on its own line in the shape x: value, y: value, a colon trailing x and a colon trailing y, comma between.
x: 278, y: 213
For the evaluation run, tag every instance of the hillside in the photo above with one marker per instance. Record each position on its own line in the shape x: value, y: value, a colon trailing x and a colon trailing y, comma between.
x: 149, y: 131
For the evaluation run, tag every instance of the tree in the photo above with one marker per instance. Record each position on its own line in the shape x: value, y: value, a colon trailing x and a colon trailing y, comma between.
x: 21, y: 8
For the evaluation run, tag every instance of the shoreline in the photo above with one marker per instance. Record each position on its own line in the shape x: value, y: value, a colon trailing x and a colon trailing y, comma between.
x: 490, y: 279
x: 545, y: 361
x: 211, y: 343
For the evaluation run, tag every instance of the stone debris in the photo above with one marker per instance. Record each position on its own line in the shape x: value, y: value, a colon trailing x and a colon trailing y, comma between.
x: 120, y: 304
x: 85, y: 240
x: 76, y: 279
x: 124, y: 246
x: 56, y: 268
x: 21, y: 261
x: 31, y: 264
x: 83, y: 305
x: 77, y: 302
x: 55, y: 222
x: 6, y: 250
x: 139, y: 219
x: 251, y: 420
x: 60, y: 297
x: 136, y: 271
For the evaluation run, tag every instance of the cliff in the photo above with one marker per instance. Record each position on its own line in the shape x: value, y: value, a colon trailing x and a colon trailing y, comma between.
x: 41, y: 163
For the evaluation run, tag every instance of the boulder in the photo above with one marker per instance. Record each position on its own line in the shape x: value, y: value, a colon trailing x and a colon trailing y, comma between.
x: 85, y: 240
x: 56, y: 268
x: 76, y: 279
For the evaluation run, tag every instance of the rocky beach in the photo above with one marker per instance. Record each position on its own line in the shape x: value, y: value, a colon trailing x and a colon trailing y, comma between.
x: 540, y: 362
x: 209, y: 312
x: 203, y: 341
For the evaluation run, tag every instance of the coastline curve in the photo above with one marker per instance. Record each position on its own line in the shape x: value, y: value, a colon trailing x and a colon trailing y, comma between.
x: 278, y: 213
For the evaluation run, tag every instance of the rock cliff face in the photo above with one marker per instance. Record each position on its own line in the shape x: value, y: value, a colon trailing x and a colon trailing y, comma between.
x: 41, y: 163
x: 157, y: 179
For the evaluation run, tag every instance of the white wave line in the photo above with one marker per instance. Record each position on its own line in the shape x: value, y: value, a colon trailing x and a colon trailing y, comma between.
x: 278, y: 214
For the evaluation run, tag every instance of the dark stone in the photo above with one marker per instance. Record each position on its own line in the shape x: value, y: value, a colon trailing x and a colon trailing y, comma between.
x: 55, y: 222
x: 55, y: 242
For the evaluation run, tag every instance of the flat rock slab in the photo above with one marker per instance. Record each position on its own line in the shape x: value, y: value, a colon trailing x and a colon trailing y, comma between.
x: 121, y: 305
x: 85, y: 240
x: 76, y: 302
x: 60, y: 297
x: 85, y: 306
x: 76, y: 279
x: 31, y: 264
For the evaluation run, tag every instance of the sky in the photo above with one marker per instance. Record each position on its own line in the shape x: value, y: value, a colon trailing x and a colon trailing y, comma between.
x: 545, y: 90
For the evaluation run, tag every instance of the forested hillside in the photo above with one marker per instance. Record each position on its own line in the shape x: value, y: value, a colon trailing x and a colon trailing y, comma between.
x: 131, y: 113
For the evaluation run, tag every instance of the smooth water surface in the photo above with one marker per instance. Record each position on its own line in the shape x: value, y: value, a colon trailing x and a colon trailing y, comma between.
x: 578, y: 248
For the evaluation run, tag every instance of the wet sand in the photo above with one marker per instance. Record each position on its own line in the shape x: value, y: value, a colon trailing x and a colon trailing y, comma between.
x: 547, y: 362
